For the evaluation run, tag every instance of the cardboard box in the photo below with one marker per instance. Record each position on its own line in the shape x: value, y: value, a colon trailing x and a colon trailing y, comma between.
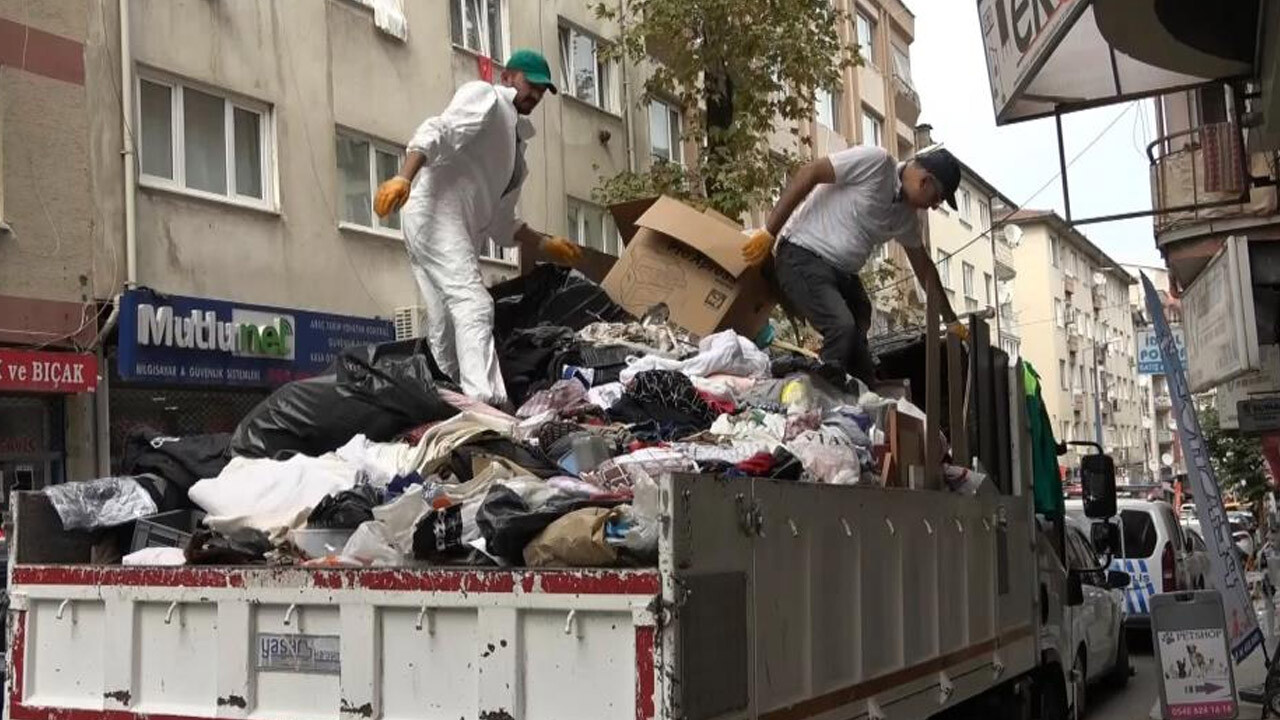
x: 690, y: 260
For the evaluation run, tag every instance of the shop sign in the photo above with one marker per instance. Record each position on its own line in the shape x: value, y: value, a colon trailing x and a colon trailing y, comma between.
x: 1017, y: 36
x: 47, y: 372
x: 1149, y: 362
x: 1229, y: 395
x: 1218, y: 314
x: 174, y: 339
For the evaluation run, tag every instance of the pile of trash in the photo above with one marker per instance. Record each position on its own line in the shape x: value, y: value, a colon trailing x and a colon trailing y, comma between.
x: 384, y: 463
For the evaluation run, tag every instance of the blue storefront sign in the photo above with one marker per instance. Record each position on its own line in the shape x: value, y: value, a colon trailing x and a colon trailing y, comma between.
x: 174, y: 339
x: 1150, y: 362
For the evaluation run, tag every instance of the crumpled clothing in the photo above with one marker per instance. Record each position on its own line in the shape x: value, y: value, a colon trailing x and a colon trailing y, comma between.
x: 727, y: 387
x: 731, y: 454
x: 166, y: 556
x: 651, y: 461
x: 564, y: 397
x: 655, y: 339
x: 724, y: 352
x: 670, y: 393
x: 801, y: 422
x: 436, y: 444
x: 346, y: 510
x: 379, y: 461
x: 466, y: 404
x: 831, y: 464
x: 105, y: 502
x: 752, y: 426
x: 267, y: 494
x: 241, y: 546
x: 605, y: 396
x: 719, y: 406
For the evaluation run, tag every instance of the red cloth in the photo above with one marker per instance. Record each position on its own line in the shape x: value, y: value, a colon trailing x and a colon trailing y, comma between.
x: 758, y: 465
x: 718, y: 405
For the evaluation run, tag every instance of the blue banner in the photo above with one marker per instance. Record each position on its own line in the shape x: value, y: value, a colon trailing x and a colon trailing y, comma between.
x: 1242, y: 624
x: 174, y: 339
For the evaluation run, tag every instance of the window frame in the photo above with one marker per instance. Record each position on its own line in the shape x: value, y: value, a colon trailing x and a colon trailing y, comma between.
x: 944, y: 268
x: 834, y: 96
x: 895, y: 54
x: 869, y: 57
x: 677, y: 146
x: 231, y: 101
x: 1055, y: 251
x: 375, y: 146
x: 966, y: 206
x: 606, y: 223
x: 1059, y: 314
x: 610, y: 102
x: 988, y: 285
x: 877, y: 123
x: 967, y: 277
x: 1064, y: 380
x: 504, y: 19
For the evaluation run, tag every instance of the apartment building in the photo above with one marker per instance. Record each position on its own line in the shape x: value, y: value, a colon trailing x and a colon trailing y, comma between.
x: 974, y: 262
x: 1164, y: 459
x: 1076, y: 328
x: 196, y: 157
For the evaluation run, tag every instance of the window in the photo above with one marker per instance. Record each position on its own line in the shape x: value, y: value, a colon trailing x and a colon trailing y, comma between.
x: 986, y: 284
x: 872, y: 129
x: 1059, y: 316
x: 585, y: 74
x: 477, y: 25
x: 827, y: 108
x: 664, y: 132
x: 867, y: 39
x: 944, y: 269
x: 902, y: 65
x: 592, y: 226
x: 205, y: 144
x: 363, y: 164
x: 970, y: 305
x: 966, y: 205
x: 1055, y: 251
x: 966, y: 276
x: 984, y: 216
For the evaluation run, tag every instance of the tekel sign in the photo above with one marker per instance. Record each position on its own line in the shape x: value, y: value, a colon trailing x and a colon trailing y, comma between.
x: 1259, y: 415
x: 47, y: 372
x: 1228, y: 395
x: 1189, y: 634
x: 1017, y: 35
x: 198, y: 341
x: 1149, y: 360
x: 1218, y: 317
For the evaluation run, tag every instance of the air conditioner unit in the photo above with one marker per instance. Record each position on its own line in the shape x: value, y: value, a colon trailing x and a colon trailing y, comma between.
x: 408, y: 321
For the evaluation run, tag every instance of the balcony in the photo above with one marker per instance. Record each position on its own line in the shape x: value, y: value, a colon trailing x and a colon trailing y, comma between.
x: 1069, y: 282
x: 1073, y: 339
x: 1078, y: 400
x: 1005, y: 269
x: 1164, y: 437
x: 1099, y: 293
x: 1163, y: 402
x: 1196, y: 178
x: 906, y: 101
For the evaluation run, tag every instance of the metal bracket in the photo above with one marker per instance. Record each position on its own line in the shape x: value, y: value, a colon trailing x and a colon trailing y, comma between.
x: 428, y: 614
x: 62, y: 606
x: 945, y: 688
x: 572, y: 626
x: 288, y: 613
x: 168, y: 615
x: 848, y: 531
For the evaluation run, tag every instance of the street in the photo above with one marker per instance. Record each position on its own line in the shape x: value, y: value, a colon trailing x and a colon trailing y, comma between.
x: 1134, y: 702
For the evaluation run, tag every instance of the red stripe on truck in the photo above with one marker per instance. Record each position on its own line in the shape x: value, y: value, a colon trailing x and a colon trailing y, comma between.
x: 645, y: 637
x: 547, y: 582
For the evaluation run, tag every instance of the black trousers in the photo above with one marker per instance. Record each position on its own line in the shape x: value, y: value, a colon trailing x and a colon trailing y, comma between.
x: 834, y: 302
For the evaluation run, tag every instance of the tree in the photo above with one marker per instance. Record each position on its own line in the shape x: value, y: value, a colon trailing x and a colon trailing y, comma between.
x: 1236, y: 459
x: 738, y: 68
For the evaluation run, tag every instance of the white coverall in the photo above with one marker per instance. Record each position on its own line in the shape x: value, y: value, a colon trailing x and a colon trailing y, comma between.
x: 465, y: 194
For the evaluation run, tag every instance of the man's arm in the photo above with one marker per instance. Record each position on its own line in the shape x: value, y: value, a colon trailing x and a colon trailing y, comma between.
x: 805, y: 180
x: 413, y: 162
x: 927, y: 273
x: 562, y: 249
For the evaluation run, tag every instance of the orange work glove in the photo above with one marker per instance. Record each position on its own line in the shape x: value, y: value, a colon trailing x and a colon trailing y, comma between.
x: 959, y: 329
x: 391, y: 196
x: 758, y: 246
x: 562, y: 249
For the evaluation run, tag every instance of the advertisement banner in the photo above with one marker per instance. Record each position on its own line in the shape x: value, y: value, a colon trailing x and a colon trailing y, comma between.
x: 1016, y: 37
x: 1243, y: 634
x: 47, y: 372
x: 174, y: 339
x: 1149, y: 362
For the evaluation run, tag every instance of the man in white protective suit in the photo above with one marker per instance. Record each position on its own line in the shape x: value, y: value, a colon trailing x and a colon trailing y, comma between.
x: 461, y: 179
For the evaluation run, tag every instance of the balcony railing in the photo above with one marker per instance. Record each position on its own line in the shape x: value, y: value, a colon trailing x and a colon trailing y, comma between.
x: 906, y: 101
x: 1005, y: 269
x: 1069, y: 283
x: 1164, y: 402
x: 1196, y: 177
x: 1099, y: 294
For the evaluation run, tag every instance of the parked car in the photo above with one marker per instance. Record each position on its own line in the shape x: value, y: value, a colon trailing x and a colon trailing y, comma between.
x: 1153, y: 551
x: 1102, y: 649
x: 1197, y: 558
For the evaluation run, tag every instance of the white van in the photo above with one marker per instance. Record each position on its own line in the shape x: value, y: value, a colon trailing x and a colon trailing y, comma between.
x: 1153, y: 552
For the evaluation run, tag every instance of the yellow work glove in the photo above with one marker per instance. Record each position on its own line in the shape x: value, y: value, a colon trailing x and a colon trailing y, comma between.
x: 758, y: 246
x: 959, y: 329
x: 562, y: 249
x: 391, y: 196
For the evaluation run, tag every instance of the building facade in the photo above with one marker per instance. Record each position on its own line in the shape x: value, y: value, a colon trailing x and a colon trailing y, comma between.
x: 1164, y: 459
x: 224, y: 156
x: 1076, y: 328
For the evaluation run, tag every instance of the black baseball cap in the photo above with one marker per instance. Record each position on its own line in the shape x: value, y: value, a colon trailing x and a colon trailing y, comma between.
x: 944, y: 168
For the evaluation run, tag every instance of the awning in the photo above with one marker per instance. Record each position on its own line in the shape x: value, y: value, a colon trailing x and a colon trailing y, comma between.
x: 1058, y: 55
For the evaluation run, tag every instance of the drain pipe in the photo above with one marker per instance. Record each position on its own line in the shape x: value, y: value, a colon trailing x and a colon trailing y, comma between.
x: 101, y: 409
x: 628, y: 109
x: 129, y: 152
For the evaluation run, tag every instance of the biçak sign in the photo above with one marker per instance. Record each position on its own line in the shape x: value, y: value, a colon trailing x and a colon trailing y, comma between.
x: 47, y: 372
x: 198, y: 341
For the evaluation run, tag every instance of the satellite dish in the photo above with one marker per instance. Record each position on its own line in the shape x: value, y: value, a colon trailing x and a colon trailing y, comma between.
x: 1166, y: 459
x: 1099, y: 279
x: 1012, y: 235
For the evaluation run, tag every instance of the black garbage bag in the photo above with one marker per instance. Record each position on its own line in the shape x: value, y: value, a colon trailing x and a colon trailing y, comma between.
x: 552, y: 295
x: 179, y: 462
x: 346, y: 510
x: 243, y: 546
x: 379, y: 390
x: 508, y: 522
x: 530, y: 359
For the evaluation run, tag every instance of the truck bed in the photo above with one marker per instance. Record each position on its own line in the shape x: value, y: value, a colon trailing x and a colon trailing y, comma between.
x: 771, y: 600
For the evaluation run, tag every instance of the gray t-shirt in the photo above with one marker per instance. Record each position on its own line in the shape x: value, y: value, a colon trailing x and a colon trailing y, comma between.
x: 844, y: 222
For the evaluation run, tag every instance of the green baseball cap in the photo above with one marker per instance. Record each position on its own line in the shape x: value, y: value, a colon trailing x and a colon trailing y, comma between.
x: 534, y: 66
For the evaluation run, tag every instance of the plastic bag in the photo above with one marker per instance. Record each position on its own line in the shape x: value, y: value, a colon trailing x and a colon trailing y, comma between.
x: 515, y: 511
x: 639, y: 534
x: 372, y: 544
x: 575, y: 540
x: 243, y: 546
x: 379, y: 390
x: 102, y: 503
x: 551, y: 295
x: 346, y: 510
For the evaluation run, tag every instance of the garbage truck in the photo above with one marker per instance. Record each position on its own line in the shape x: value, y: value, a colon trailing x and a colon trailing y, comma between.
x: 770, y: 600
